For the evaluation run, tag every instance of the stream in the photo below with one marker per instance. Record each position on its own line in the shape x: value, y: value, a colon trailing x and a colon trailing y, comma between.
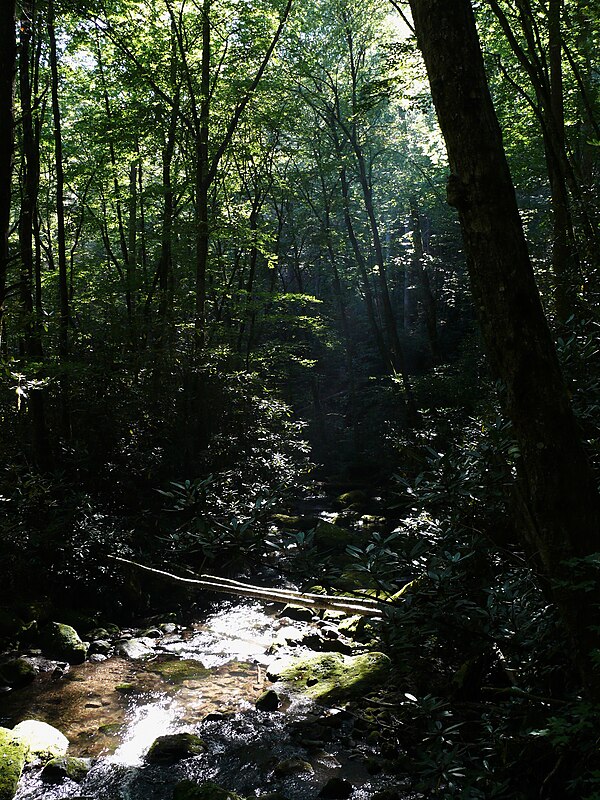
x: 203, y: 679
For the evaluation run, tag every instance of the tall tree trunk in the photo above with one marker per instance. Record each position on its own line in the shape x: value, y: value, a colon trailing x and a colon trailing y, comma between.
x: 32, y: 340
x: 8, y: 56
x: 202, y: 181
x: 63, y: 286
x: 559, y: 484
x: 423, y: 283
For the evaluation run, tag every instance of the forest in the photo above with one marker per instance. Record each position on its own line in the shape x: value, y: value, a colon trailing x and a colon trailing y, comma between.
x: 300, y: 399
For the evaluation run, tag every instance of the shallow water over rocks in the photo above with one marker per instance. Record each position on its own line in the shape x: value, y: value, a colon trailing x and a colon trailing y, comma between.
x: 205, y: 680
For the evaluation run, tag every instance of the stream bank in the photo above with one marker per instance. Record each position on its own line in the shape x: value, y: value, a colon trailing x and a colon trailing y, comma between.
x: 221, y: 678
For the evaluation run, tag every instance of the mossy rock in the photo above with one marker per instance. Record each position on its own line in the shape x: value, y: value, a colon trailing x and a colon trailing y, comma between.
x: 187, y: 790
x: 293, y: 766
x: 333, y: 676
x: 75, y: 769
x: 332, y: 537
x: 356, y: 497
x: 43, y: 741
x: 13, y: 754
x: 62, y: 642
x: 177, y: 672
x: 174, y: 747
x: 293, y: 522
x: 17, y: 672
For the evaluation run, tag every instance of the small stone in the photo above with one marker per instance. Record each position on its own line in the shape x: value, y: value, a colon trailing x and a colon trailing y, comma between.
x: 98, y: 658
x: 174, y: 747
x: 268, y: 701
x: 152, y: 633
x: 168, y: 627
x: 336, y: 788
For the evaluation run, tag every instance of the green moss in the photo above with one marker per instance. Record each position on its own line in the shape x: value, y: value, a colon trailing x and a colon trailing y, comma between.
x: 62, y: 642
x: 186, y: 790
x: 43, y: 741
x: 334, y: 676
x: 17, y: 672
x: 66, y: 767
x: 174, y: 747
x: 13, y: 752
x: 356, y: 496
x: 179, y: 671
x: 125, y: 688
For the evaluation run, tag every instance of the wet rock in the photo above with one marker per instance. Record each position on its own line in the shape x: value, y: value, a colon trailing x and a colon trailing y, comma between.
x: 354, y: 497
x: 298, y: 613
x: 332, y: 675
x: 135, y: 649
x: 187, y: 790
x: 62, y: 642
x: 98, y: 658
x: 174, y: 747
x: 66, y: 767
x: 292, y: 766
x: 268, y: 701
x: 17, y: 672
x: 13, y: 753
x: 100, y: 647
x: 125, y: 688
x: 290, y: 635
x: 336, y: 788
x: 168, y: 627
x: 43, y: 741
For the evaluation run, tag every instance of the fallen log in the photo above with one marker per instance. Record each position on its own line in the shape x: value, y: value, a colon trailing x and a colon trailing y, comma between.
x: 363, y: 606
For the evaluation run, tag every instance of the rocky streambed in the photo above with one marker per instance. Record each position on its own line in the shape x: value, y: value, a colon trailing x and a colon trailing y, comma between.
x: 253, y: 701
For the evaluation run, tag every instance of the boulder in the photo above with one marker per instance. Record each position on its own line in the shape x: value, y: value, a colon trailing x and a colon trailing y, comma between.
x: 135, y: 649
x: 268, y: 701
x: 187, y: 790
x: 100, y: 647
x: 292, y: 766
x: 43, y: 741
x: 352, y: 498
x: 62, y: 642
x: 17, y: 672
x: 332, y: 675
x: 336, y: 788
x: 13, y: 754
x: 174, y: 747
x: 66, y: 767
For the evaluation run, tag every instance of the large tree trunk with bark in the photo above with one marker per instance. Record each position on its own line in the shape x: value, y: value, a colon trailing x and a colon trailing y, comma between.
x: 559, y: 486
x: 8, y: 55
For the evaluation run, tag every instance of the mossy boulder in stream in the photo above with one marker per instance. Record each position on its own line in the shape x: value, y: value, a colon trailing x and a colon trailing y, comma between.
x: 332, y: 676
x: 66, y: 767
x: 186, y: 790
x: 42, y: 740
x: 62, y: 642
x: 17, y: 672
x: 13, y: 753
x: 334, y: 538
x: 174, y: 747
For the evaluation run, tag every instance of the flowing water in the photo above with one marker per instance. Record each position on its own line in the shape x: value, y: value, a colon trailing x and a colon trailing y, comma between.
x: 205, y: 680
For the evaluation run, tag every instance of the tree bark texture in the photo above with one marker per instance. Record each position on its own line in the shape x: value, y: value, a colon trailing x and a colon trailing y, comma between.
x: 559, y: 486
x: 8, y: 56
